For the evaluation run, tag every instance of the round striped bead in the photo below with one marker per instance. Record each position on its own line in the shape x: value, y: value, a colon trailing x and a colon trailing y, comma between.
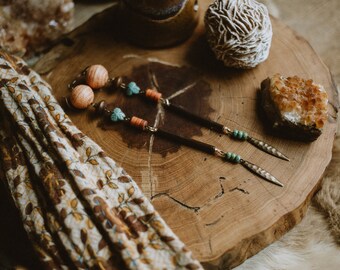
x: 81, y: 96
x: 132, y: 89
x: 138, y: 122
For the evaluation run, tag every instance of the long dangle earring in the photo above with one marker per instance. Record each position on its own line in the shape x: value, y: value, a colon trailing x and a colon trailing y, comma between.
x: 133, y: 89
x: 82, y: 97
x: 96, y: 76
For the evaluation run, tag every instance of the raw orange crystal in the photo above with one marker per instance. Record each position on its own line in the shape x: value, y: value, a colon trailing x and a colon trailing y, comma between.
x: 299, y: 101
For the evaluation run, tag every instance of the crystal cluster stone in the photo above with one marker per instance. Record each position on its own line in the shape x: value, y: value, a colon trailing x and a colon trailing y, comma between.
x: 300, y: 101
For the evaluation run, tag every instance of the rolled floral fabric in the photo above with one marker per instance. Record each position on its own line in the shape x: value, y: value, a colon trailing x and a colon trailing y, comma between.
x: 80, y: 209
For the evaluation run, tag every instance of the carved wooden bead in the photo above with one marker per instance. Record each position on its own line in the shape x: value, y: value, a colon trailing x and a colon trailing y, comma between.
x: 81, y: 96
x: 96, y: 76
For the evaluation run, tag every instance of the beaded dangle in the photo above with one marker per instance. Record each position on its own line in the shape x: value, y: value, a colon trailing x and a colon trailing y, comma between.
x: 97, y: 76
x: 82, y: 97
x: 133, y: 89
x: 117, y: 115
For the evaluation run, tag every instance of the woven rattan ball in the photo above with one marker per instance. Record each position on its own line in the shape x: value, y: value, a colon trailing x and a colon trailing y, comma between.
x: 239, y: 32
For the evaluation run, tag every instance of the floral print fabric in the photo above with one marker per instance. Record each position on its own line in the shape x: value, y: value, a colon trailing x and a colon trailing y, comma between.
x: 79, y: 208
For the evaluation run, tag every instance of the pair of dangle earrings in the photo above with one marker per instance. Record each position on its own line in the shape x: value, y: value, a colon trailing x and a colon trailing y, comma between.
x: 97, y: 77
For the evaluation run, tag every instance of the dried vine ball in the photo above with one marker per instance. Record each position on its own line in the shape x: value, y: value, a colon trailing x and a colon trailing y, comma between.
x: 239, y: 32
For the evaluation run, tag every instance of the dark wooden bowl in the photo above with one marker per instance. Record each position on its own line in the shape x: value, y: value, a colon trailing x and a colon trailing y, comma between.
x: 155, y: 24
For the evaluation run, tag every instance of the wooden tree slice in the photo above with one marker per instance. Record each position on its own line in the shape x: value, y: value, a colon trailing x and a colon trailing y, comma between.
x: 221, y: 211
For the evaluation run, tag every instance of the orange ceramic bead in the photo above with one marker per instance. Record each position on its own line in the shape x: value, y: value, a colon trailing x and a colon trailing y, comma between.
x: 82, y: 96
x: 96, y: 76
x: 138, y: 122
x: 153, y: 95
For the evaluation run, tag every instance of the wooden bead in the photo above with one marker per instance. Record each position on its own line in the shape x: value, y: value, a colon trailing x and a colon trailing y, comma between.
x: 81, y: 97
x: 158, y: 23
x: 96, y: 76
x: 117, y: 82
x: 100, y: 107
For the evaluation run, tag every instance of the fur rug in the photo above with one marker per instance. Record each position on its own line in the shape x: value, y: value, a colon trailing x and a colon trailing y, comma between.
x: 315, y: 242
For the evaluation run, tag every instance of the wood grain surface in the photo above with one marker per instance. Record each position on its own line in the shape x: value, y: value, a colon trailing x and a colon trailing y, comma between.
x: 221, y: 211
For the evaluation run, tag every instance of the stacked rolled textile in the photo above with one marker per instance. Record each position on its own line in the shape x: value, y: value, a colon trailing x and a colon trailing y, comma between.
x: 79, y: 208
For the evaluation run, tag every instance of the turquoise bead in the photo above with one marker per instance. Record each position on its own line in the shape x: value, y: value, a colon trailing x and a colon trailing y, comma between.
x: 132, y: 89
x: 227, y: 155
x: 232, y: 157
x: 117, y: 115
x: 240, y: 135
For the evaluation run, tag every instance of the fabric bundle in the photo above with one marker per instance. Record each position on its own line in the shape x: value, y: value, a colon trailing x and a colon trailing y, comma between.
x: 78, y: 207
